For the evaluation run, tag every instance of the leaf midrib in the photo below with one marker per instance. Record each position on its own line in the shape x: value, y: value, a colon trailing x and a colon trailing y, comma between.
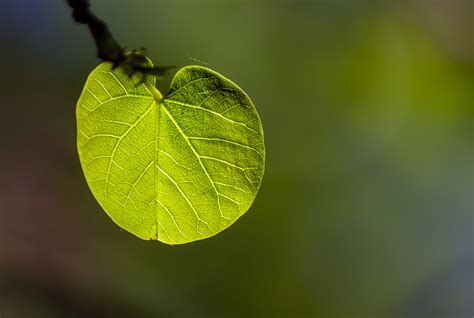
x: 160, y: 101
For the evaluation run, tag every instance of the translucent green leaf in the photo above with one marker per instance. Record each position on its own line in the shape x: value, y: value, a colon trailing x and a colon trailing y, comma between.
x: 174, y: 169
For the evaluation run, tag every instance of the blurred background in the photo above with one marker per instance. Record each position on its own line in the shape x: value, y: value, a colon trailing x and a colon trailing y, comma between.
x: 366, y: 207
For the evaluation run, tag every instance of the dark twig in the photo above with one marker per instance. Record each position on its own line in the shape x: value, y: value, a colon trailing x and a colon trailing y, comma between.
x: 108, y: 49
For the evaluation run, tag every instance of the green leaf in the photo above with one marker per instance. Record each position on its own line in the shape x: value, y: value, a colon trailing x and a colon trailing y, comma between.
x: 174, y: 169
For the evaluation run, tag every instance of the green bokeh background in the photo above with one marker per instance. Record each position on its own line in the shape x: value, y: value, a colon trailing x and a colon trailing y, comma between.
x: 366, y: 206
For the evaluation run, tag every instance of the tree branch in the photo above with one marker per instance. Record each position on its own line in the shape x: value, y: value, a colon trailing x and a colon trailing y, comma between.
x: 108, y: 48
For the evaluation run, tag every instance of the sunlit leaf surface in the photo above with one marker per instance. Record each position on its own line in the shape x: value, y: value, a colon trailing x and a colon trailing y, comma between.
x: 174, y: 169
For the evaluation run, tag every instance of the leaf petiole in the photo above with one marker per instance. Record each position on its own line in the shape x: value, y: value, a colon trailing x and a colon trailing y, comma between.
x: 154, y: 91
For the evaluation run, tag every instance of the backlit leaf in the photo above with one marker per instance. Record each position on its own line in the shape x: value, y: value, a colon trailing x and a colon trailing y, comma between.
x: 174, y: 169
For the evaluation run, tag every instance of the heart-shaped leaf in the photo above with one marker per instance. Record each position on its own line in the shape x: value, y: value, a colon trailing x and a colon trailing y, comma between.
x: 175, y: 169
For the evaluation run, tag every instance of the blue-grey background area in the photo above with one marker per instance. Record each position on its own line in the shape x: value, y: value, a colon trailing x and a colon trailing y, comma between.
x: 366, y: 208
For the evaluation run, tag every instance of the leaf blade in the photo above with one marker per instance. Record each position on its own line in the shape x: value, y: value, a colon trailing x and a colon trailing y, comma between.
x: 208, y: 156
